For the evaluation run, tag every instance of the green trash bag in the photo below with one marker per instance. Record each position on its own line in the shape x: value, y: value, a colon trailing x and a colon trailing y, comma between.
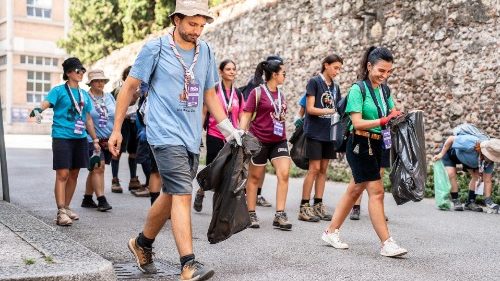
x: 442, y: 186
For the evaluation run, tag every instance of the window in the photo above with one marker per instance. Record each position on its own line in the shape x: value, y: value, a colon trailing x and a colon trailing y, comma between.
x: 37, y: 86
x: 39, y: 8
x: 39, y: 60
x: 3, y: 60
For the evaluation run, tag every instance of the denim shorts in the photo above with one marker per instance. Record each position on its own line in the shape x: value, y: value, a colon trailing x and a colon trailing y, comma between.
x: 177, y: 167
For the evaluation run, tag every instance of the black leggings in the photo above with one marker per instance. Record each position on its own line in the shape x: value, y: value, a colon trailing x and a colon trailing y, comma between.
x: 214, y: 145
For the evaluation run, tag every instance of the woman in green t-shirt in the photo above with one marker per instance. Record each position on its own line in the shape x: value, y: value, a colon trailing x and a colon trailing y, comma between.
x: 370, y: 114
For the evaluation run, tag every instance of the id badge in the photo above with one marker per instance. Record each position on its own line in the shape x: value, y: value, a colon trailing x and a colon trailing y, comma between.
x: 79, y: 127
x: 480, y: 188
x: 103, y: 121
x: 193, y: 94
x: 278, y: 128
x: 386, y: 136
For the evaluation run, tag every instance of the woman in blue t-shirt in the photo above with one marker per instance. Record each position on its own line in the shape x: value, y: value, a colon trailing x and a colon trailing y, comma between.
x: 322, y: 94
x: 71, y: 106
x: 103, y: 116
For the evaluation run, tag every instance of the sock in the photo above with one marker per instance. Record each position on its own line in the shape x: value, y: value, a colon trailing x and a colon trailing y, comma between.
x: 304, y: 201
x: 251, y: 211
x: 259, y: 191
x: 185, y: 259
x: 87, y: 197
x: 115, y: 165
x: 132, y: 164
x: 488, y: 201
x: 358, y: 207
x: 146, y: 168
x: 144, y: 242
x: 280, y: 211
x: 154, y: 195
x: 318, y: 200
x: 472, y: 196
x: 101, y: 199
x: 454, y: 195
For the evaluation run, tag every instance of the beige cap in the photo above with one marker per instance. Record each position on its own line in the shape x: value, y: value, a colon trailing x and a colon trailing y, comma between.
x: 192, y: 8
x: 96, y: 74
x: 491, y: 149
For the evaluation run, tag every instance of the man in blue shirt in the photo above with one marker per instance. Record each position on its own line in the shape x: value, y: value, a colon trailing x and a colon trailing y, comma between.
x: 181, y: 71
x: 477, y: 155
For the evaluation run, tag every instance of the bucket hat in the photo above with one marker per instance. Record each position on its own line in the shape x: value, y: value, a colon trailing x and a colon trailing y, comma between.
x: 491, y: 149
x: 192, y: 8
x: 96, y: 74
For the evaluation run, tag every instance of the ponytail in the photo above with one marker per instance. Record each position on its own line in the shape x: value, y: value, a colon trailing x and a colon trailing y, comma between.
x: 267, y: 68
x: 372, y: 55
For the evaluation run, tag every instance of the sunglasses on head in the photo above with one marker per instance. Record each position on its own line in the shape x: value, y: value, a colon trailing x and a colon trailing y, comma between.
x: 79, y: 71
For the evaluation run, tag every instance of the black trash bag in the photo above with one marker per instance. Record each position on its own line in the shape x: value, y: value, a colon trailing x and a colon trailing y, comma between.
x: 298, y: 151
x: 227, y: 176
x: 409, y: 170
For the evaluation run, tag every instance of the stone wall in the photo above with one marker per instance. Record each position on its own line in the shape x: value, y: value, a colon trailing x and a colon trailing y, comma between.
x: 447, y: 59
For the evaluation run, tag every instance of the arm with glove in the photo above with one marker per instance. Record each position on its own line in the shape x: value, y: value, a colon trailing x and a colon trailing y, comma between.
x: 223, y: 124
x: 37, y: 111
x: 360, y: 124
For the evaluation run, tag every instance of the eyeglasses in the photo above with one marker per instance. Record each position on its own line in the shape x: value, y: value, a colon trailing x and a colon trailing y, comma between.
x: 79, y: 71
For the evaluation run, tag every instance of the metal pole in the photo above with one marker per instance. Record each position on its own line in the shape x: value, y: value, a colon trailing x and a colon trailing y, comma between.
x: 3, y: 159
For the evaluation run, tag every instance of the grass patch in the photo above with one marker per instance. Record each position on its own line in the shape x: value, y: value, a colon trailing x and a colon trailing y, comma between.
x: 29, y: 261
x: 49, y: 259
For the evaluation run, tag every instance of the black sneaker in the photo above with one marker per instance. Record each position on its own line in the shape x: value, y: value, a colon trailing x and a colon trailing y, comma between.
x: 88, y: 203
x: 472, y: 206
x: 194, y: 270
x: 355, y: 212
x: 143, y: 257
x: 457, y: 206
x: 198, y: 201
x: 281, y: 221
x: 104, y: 206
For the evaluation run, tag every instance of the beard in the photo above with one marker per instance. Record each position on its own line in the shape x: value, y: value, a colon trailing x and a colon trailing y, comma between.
x: 188, y: 37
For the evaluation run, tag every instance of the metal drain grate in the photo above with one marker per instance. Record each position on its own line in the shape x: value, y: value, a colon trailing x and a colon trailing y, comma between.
x: 127, y: 271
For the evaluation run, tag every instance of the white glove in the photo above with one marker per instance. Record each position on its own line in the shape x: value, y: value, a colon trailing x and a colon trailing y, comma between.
x: 229, y: 132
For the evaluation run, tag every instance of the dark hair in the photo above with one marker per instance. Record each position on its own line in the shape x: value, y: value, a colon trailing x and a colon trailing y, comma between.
x: 331, y: 59
x: 224, y: 63
x: 274, y: 57
x: 180, y: 16
x: 267, y: 68
x: 125, y: 72
x: 65, y: 77
x: 372, y: 55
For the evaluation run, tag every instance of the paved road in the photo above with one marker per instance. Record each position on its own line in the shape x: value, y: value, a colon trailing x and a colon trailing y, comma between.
x: 442, y: 245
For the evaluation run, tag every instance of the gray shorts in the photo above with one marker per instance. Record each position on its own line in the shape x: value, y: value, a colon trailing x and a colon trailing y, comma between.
x: 177, y: 167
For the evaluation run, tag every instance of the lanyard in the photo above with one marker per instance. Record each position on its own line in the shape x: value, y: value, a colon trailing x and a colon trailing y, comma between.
x: 277, y: 107
x: 226, y: 102
x: 188, y: 71
x: 382, y: 110
x: 100, y: 104
x: 78, y: 106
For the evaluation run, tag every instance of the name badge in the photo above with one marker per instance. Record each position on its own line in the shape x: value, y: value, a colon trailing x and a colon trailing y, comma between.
x: 193, y: 94
x: 386, y: 136
x: 79, y: 127
x: 278, y: 128
x: 103, y: 121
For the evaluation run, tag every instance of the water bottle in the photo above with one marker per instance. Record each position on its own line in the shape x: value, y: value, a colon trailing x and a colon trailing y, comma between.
x: 38, y: 117
x: 334, y: 120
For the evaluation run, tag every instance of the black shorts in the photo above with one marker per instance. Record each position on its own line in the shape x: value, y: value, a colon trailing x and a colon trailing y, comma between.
x: 105, y: 154
x: 317, y: 150
x: 145, y: 155
x: 364, y: 167
x: 70, y: 153
x: 450, y: 159
x: 214, y: 145
x: 129, y: 136
x: 270, y: 151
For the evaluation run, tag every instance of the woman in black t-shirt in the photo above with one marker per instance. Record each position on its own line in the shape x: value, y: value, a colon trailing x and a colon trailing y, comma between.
x: 321, y: 96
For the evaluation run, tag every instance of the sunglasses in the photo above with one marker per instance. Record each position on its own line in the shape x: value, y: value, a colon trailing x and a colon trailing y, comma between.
x: 80, y: 71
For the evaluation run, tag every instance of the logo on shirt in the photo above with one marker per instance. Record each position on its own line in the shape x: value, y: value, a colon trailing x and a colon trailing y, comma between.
x: 282, y: 149
x: 327, y: 100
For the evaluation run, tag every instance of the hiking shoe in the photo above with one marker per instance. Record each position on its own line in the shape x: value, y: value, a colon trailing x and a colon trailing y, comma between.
x: 143, y: 192
x: 355, y: 212
x: 457, y: 206
x: 198, y: 201
x: 391, y: 249
x: 88, y: 203
x: 115, y: 186
x: 71, y: 214
x: 134, y: 184
x: 492, y: 208
x: 281, y: 221
x: 472, y: 206
x: 253, y: 220
x: 261, y: 201
x: 194, y: 270
x: 320, y: 211
x: 306, y: 213
x: 143, y: 257
x: 62, y: 218
x: 103, y: 206
x: 333, y: 238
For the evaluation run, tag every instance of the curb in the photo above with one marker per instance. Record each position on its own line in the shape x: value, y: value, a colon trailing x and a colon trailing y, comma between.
x: 71, y: 260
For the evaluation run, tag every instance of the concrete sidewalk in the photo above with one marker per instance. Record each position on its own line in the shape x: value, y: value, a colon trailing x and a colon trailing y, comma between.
x: 32, y: 250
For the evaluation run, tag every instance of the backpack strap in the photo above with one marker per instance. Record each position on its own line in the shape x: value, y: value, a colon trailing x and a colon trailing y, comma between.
x: 258, y: 92
x: 362, y: 88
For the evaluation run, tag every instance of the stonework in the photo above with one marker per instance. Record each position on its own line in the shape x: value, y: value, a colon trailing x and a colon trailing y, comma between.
x: 446, y: 52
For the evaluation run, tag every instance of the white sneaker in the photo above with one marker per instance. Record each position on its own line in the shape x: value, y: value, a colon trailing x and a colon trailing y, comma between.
x: 334, y: 239
x: 391, y: 249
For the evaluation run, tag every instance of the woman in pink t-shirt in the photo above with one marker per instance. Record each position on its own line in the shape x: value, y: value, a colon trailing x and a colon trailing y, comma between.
x: 232, y: 101
x: 265, y: 114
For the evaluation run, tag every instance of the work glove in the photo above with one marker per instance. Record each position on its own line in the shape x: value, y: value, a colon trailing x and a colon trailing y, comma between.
x: 37, y: 113
x: 229, y: 132
x: 95, y: 160
x: 393, y: 114
x: 298, y: 122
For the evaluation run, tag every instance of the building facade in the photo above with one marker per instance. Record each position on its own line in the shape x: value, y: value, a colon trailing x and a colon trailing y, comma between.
x: 30, y: 61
